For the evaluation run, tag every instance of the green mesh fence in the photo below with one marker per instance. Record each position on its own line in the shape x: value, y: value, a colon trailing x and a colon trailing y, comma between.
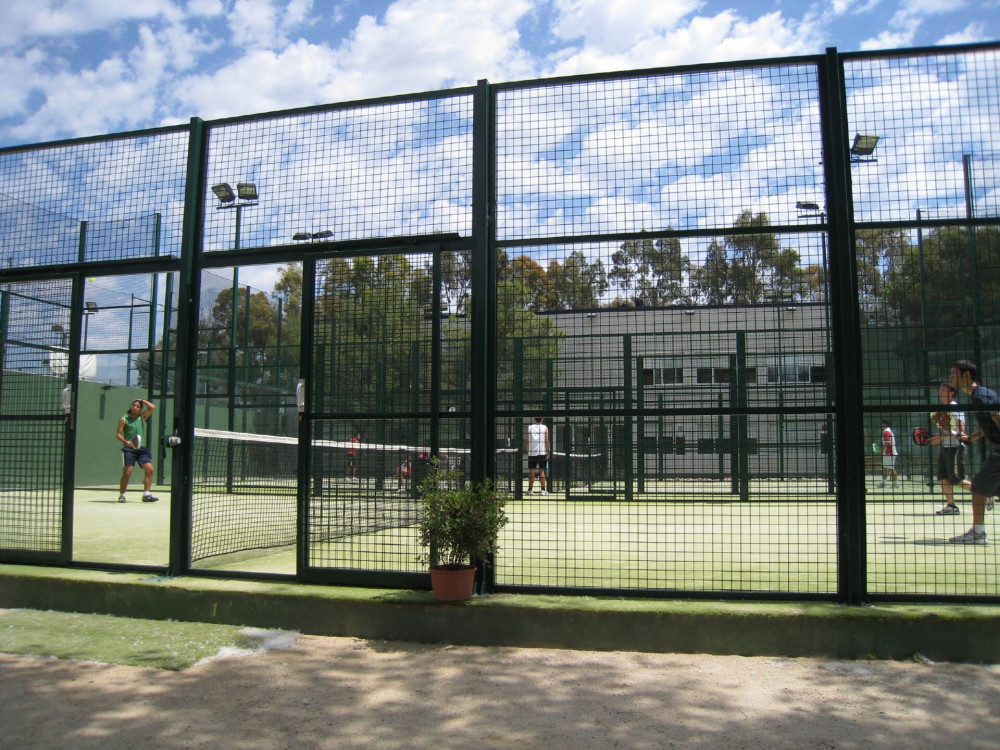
x: 711, y: 285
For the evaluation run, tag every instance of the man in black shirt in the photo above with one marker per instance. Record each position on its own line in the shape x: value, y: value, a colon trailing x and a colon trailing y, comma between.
x: 986, y: 484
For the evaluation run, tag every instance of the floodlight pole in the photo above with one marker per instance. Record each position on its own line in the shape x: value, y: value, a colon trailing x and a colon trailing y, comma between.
x: 970, y: 214
x: 238, y: 200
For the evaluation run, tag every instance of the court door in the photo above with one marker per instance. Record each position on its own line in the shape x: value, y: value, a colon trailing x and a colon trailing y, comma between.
x: 386, y: 341
x: 36, y: 354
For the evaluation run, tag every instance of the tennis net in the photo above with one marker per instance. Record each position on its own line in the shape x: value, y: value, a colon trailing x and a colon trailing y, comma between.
x: 245, y: 487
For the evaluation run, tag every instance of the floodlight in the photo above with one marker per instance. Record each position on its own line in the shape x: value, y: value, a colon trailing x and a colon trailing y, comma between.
x: 806, y: 206
x: 322, y: 235
x: 91, y: 306
x: 864, y: 145
x: 247, y: 191
x: 224, y: 192
x: 299, y: 236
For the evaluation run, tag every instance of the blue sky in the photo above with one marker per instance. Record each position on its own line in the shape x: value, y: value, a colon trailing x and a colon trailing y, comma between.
x: 84, y: 67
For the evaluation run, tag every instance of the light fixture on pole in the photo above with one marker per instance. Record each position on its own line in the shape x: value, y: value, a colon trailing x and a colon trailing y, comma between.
x: 812, y: 210
x: 863, y: 148
x: 224, y: 193
x: 244, y: 195
x: 306, y: 236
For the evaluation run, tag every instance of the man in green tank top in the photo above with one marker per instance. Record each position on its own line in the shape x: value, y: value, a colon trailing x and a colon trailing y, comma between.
x: 135, y: 450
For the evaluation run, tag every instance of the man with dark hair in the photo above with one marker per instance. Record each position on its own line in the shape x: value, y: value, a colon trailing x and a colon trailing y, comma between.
x: 950, y: 426
x: 538, y: 454
x: 964, y: 376
x: 135, y: 448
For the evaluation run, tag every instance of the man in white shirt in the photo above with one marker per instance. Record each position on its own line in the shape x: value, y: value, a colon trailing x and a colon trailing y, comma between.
x: 538, y: 454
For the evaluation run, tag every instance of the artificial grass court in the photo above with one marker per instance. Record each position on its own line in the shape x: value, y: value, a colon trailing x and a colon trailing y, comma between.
x: 129, y: 641
x: 769, y: 545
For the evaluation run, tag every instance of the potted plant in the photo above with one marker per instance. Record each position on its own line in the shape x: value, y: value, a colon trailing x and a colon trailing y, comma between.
x: 460, y: 523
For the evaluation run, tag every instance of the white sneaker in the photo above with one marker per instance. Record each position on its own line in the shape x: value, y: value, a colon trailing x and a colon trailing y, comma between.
x: 544, y: 492
x: 969, y: 537
x: 121, y: 499
x: 896, y: 485
x: 880, y: 485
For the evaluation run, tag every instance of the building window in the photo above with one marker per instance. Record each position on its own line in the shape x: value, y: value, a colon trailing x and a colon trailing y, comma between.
x: 723, y: 375
x: 663, y: 376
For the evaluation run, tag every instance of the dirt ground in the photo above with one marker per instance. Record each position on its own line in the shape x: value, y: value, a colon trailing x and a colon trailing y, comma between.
x: 349, y: 693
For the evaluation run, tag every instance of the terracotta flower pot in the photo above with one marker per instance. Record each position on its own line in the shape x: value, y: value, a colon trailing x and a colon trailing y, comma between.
x: 453, y: 584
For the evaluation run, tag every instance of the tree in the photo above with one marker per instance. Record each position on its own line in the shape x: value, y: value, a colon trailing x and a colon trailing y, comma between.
x: 533, y: 279
x: 655, y: 272
x: 710, y: 281
x: 878, y: 253
x: 372, y: 345
x: 526, y: 342
x: 756, y: 261
x: 577, y: 284
x: 935, y: 282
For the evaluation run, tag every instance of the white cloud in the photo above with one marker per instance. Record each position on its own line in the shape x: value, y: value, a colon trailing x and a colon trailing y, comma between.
x: 124, y: 102
x: 27, y: 19
x: 840, y: 7
x: 929, y: 7
x: 419, y: 44
x: 890, y: 39
x: 124, y: 91
x: 726, y: 36
x: 204, y: 7
x: 974, y: 32
x: 254, y: 24
x: 611, y: 24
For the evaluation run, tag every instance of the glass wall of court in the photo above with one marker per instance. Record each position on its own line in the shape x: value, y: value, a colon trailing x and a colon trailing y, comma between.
x: 712, y: 283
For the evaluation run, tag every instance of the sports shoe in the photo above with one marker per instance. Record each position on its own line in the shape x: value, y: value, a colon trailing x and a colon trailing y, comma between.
x: 544, y: 492
x: 896, y: 485
x: 880, y: 485
x: 147, y: 498
x: 121, y: 499
x: 949, y: 510
x: 969, y: 537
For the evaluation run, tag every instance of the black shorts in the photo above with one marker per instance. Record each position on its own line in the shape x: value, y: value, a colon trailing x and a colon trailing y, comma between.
x: 951, y: 464
x: 133, y: 456
x: 987, y: 481
x: 537, y: 462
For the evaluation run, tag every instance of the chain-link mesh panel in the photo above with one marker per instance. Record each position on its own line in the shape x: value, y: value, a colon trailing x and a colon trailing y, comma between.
x: 34, y: 322
x: 384, y: 170
x: 372, y: 340
x: 101, y: 200
x: 928, y: 112
x: 652, y: 152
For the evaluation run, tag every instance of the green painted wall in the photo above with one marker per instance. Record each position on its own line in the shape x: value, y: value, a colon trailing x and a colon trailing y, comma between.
x: 98, y: 452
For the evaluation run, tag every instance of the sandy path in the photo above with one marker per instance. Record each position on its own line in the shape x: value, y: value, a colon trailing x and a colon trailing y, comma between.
x: 348, y: 693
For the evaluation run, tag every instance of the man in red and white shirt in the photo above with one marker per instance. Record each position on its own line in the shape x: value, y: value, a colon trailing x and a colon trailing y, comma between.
x: 889, y: 454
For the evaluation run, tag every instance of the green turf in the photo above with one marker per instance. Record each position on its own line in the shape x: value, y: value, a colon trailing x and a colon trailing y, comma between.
x: 777, y: 542
x: 119, y: 640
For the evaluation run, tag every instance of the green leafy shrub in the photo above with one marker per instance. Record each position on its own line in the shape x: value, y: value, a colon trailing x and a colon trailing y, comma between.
x: 460, y: 521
